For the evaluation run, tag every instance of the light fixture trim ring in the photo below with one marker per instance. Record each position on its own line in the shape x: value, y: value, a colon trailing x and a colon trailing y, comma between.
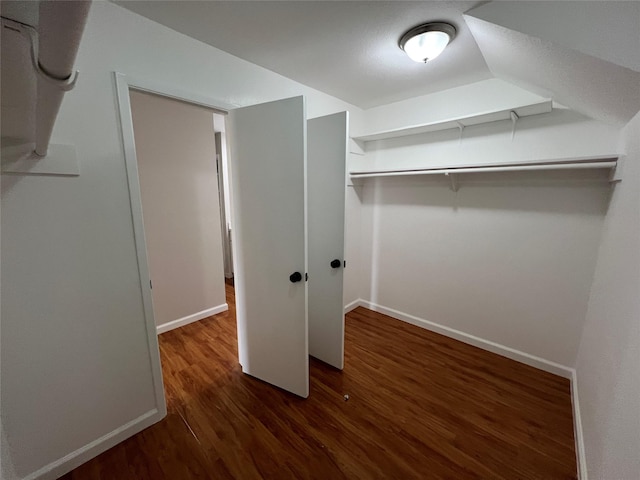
x: 447, y: 28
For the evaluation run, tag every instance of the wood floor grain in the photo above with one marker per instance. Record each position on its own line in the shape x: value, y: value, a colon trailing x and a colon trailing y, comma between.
x: 420, y: 406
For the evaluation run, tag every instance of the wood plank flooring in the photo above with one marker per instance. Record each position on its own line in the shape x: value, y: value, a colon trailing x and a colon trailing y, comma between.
x: 421, y: 406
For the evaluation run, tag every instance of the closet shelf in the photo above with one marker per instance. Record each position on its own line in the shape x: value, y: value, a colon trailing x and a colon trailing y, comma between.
x: 512, y: 114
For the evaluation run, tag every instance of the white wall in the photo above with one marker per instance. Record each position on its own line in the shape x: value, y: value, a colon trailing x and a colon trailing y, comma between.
x: 609, y: 356
x: 6, y: 463
x: 75, y: 363
x: 176, y: 153
x: 508, y: 258
x: 7, y: 471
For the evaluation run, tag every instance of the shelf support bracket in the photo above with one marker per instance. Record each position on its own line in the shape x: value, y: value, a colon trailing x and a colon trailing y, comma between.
x: 514, y: 119
x: 461, y: 128
x: 453, y: 179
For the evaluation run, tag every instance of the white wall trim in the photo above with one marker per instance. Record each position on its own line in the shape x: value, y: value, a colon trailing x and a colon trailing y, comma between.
x: 352, y: 306
x: 581, y: 458
x: 122, y: 84
x: 522, y: 357
x: 90, y: 450
x: 512, y: 353
x: 172, y: 91
x: 165, y: 327
x: 527, y: 359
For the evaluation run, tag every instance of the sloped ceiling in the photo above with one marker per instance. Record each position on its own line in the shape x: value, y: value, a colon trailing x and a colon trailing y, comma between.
x: 554, y: 63
x: 608, y: 30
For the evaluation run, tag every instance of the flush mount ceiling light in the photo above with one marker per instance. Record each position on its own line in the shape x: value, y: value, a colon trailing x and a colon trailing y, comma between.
x: 425, y: 42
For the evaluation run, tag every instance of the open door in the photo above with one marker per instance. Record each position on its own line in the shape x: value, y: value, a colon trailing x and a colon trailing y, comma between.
x: 327, y: 151
x: 268, y: 175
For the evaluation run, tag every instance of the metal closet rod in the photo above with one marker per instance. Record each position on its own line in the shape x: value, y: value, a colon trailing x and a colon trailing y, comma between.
x: 506, y: 168
x: 53, y: 49
x: 30, y: 33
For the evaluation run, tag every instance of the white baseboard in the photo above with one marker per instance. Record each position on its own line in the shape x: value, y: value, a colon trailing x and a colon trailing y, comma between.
x: 352, y: 306
x: 75, y: 459
x: 581, y: 458
x: 527, y: 359
x: 512, y: 353
x: 165, y: 327
x: 522, y: 357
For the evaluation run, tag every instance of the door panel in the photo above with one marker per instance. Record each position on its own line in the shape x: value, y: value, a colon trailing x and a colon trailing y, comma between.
x: 327, y: 153
x: 268, y: 176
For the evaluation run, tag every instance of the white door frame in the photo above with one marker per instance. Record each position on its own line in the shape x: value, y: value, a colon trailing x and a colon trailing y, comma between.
x: 124, y: 83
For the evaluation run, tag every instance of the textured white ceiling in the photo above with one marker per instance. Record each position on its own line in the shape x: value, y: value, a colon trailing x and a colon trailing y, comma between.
x: 587, y: 84
x: 609, y: 30
x: 346, y: 49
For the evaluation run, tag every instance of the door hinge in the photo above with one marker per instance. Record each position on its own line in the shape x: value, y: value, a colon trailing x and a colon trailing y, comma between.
x: 306, y: 277
x: 150, y: 285
x: 345, y: 264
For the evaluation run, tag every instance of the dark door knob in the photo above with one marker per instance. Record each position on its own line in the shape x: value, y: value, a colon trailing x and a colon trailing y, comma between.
x: 335, y: 263
x: 295, y: 277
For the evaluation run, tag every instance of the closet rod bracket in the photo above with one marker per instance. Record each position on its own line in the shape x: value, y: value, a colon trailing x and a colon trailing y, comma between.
x: 453, y: 178
x: 461, y: 128
x: 615, y: 175
x: 514, y: 119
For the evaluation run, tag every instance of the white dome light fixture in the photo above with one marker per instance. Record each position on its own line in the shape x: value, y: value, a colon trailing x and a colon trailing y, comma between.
x: 425, y: 42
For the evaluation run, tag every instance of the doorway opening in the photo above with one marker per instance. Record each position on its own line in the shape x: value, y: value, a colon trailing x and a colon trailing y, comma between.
x: 180, y: 172
x: 287, y: 188
x: 224, y: 191
x: 184, y: 191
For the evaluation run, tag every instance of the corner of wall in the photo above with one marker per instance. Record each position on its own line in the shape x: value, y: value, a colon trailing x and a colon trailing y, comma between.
x: 609, y: 351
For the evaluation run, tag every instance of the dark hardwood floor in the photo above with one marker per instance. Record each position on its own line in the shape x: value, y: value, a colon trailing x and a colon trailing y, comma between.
x: 421, y: 406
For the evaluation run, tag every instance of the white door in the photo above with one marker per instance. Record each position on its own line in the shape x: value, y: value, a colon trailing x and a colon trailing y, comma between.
x: 327, y: 154
x: 268, y: 175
